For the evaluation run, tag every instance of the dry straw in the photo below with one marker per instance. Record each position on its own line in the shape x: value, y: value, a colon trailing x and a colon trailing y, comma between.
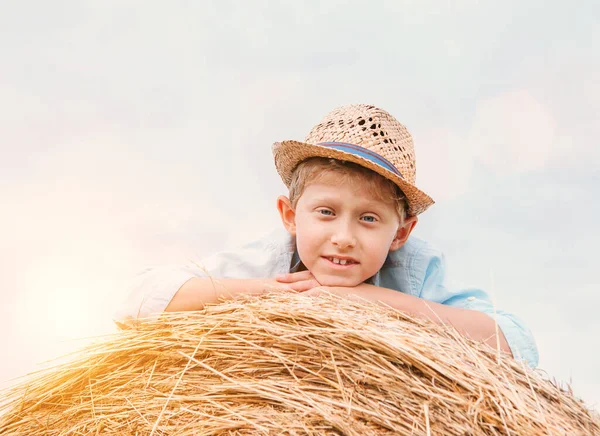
x: 291, y: 364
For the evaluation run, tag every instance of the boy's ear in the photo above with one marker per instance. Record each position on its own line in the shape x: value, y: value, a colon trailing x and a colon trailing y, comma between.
x: 287, y: 214
x: 403, y: 233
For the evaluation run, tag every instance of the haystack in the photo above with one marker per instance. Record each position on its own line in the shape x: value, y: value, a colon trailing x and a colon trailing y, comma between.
x: 296, y: 365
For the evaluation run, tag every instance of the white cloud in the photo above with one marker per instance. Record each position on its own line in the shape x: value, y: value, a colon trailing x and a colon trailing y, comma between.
x: 452, y: 47
x: 513, y: 132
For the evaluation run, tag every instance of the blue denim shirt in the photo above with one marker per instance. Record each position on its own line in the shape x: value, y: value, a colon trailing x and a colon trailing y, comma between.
x: 416, y: 269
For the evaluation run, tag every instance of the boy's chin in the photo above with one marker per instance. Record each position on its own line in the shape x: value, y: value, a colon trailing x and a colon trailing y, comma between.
x: 327, y: 280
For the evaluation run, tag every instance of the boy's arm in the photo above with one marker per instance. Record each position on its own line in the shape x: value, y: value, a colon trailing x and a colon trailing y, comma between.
x: 472, y: 323
x: 427, y: 272
x: 163, y: 291
x: 148, y: 294
x: 198, y: 291
x: 470, y: 311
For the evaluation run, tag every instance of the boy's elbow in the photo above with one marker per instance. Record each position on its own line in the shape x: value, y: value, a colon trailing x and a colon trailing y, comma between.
x: 149, y: 294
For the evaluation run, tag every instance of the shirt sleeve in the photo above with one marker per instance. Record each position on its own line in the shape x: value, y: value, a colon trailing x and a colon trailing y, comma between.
x: 519, y: 337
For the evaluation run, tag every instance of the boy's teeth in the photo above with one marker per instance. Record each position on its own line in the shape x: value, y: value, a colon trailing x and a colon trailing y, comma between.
x: 339, y: 261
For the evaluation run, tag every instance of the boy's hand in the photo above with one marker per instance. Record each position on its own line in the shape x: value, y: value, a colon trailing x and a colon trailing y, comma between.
x: 300, y: 282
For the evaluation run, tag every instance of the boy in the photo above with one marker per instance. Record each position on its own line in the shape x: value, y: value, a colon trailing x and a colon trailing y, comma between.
x: 351, y: 208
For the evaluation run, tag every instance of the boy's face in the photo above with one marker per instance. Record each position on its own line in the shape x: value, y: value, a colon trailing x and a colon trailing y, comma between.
x: 336, y: 223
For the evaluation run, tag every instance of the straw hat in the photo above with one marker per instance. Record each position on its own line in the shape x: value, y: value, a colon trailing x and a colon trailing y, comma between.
x: 365, y: 135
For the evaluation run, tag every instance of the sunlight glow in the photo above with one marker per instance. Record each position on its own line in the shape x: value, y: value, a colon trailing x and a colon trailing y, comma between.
x: 58, y: 304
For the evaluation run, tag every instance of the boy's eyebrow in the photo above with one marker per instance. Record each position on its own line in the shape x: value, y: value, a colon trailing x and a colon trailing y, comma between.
x: 373, y: 203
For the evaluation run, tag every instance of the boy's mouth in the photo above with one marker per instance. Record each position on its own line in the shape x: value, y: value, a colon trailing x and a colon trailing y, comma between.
x: 342, y: 261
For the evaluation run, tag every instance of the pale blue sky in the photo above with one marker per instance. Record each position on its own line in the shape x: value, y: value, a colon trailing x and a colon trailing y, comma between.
x: 137, y: 133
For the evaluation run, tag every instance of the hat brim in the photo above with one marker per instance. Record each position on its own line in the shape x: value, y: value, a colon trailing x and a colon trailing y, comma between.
x: 288, y: 154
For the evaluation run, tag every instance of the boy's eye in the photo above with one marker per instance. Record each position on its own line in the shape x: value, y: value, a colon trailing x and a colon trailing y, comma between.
x: 325, y: 212
x: 369, y: 218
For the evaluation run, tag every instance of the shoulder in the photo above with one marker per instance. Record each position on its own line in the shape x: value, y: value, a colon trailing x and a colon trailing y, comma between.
x: 414, y: 252
x: 277, y: 240
x: 266, y: 256
x: 413, y: 266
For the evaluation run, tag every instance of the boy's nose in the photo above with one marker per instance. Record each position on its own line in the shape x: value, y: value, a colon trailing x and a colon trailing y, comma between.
x: 343, y: 239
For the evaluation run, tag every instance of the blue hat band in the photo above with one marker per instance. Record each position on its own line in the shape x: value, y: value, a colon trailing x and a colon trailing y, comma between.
x: 369, y: 155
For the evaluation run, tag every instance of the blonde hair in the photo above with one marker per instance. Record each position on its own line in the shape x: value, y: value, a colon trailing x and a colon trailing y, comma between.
x: 312, y: 169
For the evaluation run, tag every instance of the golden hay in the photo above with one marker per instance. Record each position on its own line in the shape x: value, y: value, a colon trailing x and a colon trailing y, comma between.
x: 291, y: 364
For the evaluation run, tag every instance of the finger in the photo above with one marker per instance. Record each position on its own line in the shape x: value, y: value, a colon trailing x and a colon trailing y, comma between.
x: 302, y: 286
x: 293, y: 277
x: 282, y: 278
